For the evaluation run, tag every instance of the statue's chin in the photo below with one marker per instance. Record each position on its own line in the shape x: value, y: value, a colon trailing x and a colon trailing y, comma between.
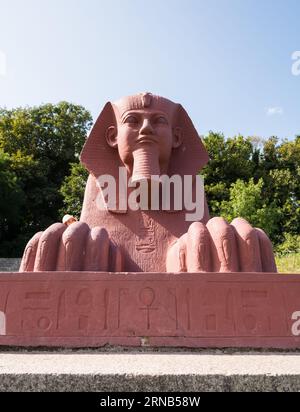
x: 145, y: 164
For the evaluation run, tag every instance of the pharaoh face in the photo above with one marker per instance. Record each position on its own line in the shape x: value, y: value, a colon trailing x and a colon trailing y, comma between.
x: 144, y: 139
x: 145, y: 131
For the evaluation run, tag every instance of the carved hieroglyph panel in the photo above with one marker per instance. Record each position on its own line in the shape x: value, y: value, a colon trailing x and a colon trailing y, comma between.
x: 186, y: 306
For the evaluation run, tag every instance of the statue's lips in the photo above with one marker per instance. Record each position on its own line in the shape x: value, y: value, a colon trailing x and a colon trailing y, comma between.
x: 147, y: 139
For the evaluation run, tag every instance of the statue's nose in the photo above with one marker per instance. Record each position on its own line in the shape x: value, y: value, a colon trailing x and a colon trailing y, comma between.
x: 146, y: 127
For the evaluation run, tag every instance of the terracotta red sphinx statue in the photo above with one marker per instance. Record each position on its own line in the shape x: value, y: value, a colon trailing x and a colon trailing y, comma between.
x: 149, y: 136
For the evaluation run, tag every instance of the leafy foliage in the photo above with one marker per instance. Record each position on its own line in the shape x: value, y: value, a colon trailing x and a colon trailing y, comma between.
x: 38, y: 145
x: 72, y: 189
x: 247, y: 201
x: 291, y: 244
x: 256, y: 179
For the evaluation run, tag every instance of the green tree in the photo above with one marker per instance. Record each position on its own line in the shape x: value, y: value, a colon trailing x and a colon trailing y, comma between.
x: 273, y: 163
x: 12, y: 200
x: 41, y: 143
x: 280, y: 169
x: 247, y: 201
x: 73, y: 188
x: 230, y: 159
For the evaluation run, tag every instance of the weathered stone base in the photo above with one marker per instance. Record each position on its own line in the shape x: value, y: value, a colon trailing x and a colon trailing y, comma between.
x: 83, y: 309
x: 150, y: 372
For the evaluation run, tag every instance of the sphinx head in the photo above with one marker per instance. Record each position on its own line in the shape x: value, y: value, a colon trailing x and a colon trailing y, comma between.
x: 144, y: 134
x: 148, y: 134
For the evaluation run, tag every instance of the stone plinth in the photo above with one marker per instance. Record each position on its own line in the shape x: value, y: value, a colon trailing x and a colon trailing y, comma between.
x: 83, y: 309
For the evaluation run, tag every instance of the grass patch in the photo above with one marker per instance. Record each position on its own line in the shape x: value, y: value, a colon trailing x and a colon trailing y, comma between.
x: 289, y: 263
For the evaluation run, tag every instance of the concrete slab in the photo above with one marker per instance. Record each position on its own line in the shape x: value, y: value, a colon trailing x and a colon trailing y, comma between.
x: 149, y: 372
x: 10, y: 264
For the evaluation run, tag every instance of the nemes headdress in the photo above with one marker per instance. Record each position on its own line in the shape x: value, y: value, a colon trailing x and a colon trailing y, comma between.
x: 101, y: 159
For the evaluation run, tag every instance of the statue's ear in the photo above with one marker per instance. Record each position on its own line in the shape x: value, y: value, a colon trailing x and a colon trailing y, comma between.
x: 190, y: 156
x: 97, y: 155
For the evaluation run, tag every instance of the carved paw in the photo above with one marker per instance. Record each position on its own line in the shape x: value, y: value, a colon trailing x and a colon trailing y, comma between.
x: 72, y: 248
x: 222, y: 247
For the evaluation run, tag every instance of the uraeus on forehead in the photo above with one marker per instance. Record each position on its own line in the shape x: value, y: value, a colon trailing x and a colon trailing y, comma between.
x: 144, y: 101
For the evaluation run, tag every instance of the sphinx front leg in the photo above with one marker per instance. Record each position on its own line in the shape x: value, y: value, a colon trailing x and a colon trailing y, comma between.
x: 204, y: 248
x: 221, y: 247
x: 29, y: 255
x: 255, y: 248
x: 73, y: 248
x: 88, y: 250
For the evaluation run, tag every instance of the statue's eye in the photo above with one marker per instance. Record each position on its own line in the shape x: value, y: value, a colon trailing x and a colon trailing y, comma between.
x: 161, y: 120
x: 131, y: 120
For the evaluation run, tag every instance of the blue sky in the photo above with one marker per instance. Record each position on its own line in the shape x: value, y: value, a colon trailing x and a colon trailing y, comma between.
x: 229, y: 62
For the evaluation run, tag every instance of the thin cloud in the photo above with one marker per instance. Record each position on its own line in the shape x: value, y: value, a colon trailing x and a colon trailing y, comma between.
x: 272, y: 111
